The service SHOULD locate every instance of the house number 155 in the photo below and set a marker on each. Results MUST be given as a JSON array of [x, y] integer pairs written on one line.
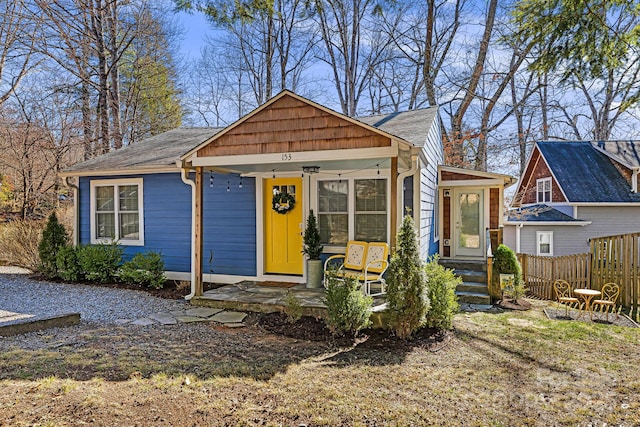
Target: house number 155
[[286, 157]]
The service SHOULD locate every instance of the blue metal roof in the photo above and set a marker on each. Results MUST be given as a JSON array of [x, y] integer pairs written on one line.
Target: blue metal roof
[[539, 213], [586, 174]]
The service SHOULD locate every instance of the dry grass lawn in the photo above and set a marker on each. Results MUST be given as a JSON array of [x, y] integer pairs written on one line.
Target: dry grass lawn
[[510, 369]]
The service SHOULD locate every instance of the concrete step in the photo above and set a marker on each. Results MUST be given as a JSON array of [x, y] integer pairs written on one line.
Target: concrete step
[[473, 287], [457, 264], [473, 298], [472, 276]]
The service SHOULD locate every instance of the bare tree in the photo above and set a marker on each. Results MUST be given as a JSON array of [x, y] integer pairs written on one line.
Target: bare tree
[[38, 137], [348, 30], [17, 46]]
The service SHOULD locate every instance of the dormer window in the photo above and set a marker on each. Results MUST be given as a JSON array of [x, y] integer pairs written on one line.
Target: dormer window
[[544, 190]]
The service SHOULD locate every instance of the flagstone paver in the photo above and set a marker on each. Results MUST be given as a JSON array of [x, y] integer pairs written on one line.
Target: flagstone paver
[[191, 319], [234, 325], [203, 311], [164, 318], [229, 317]]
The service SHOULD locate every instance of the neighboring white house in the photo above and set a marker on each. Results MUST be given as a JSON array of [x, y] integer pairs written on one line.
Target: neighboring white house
[[571, 192]]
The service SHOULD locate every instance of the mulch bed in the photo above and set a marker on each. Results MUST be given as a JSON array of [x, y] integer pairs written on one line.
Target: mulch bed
[[312, 329], [509, 304]]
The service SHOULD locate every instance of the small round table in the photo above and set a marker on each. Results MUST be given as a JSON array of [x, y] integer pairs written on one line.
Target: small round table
[[587, 295]]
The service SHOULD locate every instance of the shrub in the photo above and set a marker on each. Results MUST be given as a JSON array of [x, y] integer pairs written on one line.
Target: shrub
[[293, 308], [348, 308], [100, 262], [19, 242], [442, 294], [506, 262], [54, 237], [144, 269], [67, 264], [407, 298], [312, 247]]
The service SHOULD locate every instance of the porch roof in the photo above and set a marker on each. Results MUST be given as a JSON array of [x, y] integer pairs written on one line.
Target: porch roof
[[163, 153]]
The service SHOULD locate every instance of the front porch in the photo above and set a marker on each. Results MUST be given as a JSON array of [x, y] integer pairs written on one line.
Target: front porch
[[265, 297]]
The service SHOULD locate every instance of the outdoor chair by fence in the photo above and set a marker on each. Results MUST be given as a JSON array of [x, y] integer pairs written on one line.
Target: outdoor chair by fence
[[607, 303], [364, 261], [564, 295]]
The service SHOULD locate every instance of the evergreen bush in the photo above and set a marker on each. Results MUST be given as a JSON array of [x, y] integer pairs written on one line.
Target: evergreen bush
[[54, 237], [67, 264], [442, 284], [407, 296], [347, 307], [506, 262], [144, 269], [312, 247], [100, 262]]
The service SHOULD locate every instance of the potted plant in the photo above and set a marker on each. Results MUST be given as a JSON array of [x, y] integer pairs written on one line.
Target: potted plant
[[313, 249]]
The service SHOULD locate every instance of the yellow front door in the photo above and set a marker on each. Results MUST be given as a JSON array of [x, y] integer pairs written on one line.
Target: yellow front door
[[283, 230]]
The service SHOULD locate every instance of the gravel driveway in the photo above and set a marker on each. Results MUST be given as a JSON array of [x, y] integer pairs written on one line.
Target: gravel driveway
[[19, 294]]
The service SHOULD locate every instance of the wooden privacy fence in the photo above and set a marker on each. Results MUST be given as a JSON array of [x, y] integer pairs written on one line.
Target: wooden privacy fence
[[617, 259], [539, 272], [611, 259]]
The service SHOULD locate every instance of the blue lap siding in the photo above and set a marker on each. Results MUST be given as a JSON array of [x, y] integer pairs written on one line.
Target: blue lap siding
[[229, 222]]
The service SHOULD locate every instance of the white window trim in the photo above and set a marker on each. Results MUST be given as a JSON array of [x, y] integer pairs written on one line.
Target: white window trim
[[116, 183], [351, 202], [543, 181], [538, 234]]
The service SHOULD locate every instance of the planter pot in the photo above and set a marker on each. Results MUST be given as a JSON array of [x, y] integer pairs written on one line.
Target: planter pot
[[314, 273], [506, 282]]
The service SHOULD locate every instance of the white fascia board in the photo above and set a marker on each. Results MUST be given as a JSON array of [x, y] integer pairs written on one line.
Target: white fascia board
[[298, 156], [547, 223], [604, 204]]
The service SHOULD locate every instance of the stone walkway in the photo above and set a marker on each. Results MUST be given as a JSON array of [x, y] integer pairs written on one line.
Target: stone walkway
[[230, 319]]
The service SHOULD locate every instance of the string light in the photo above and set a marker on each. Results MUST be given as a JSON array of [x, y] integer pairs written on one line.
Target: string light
[[211, 180], [228, 186], [378, 166], [340, 178], [274, 173], [240, 185]]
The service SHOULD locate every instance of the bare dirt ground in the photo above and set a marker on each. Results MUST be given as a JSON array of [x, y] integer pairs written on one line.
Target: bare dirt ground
[[514, 368]]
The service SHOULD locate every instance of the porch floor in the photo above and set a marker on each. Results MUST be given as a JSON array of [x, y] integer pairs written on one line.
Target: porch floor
[[251, 296]]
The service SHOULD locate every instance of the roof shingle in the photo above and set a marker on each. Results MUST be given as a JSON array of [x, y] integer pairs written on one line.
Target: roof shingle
[[586, 174]]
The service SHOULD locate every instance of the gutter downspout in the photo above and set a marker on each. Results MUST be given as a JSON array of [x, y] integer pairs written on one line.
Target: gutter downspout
[[185, 178], [400, 184], [518, 227], [76, 210]]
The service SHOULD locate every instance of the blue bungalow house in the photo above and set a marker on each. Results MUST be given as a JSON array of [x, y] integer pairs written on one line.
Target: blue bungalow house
[[207, 198]]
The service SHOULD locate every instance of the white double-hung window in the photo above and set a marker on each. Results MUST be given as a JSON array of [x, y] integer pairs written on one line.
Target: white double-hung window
[[353, 209], [116, 211], [544, 190], [544, 246]]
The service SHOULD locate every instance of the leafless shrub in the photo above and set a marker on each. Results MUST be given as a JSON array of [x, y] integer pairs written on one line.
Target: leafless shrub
[[65, 217], [19, 241]]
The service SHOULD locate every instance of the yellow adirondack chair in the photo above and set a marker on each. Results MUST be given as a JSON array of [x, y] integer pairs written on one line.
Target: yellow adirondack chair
[[364, 261]]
